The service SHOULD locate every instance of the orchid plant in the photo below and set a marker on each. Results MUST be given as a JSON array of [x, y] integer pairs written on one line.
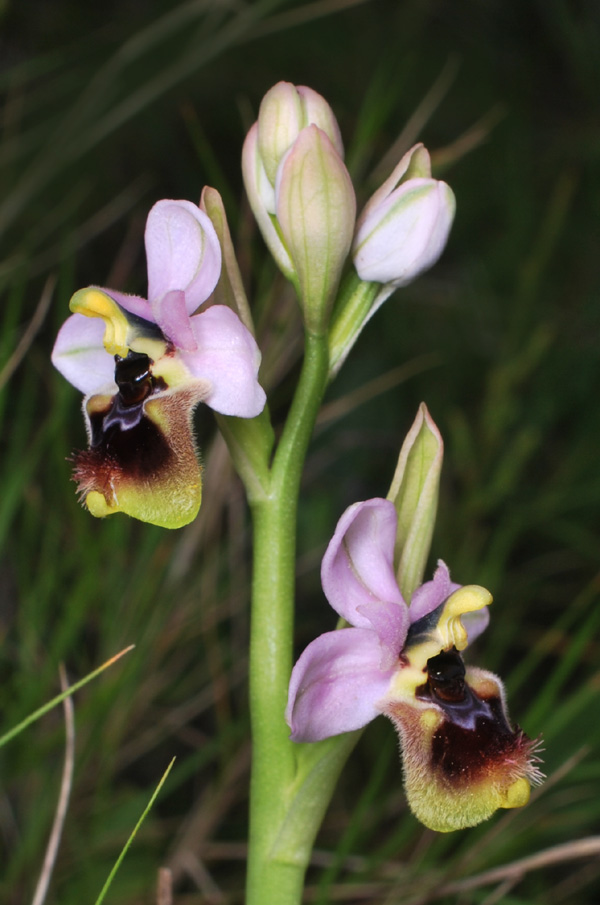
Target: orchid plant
[[144, 365]]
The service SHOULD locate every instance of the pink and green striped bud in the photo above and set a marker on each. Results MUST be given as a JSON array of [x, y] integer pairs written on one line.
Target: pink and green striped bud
[[414, 493], [316, 208], [301, 194], [404, 227]]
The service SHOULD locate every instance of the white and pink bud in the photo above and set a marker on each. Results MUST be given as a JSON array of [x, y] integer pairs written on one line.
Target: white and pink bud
[[284, 111], [404, 227], [301, 193]]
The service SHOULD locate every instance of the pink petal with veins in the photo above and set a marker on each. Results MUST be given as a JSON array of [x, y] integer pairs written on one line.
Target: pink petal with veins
[[336, 685], [80, 356], [431, 594], [170, 313], [182, 251], [228, 356], [358, 566]]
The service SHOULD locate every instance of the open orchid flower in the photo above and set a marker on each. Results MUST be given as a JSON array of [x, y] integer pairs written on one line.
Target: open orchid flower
[[462, 758], [144, 364]]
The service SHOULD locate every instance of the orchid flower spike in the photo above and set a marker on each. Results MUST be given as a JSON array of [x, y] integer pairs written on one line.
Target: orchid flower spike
[[144, 365], [462, 757]]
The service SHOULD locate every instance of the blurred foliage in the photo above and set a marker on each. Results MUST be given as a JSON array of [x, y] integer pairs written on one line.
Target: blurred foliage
[[106, 108]]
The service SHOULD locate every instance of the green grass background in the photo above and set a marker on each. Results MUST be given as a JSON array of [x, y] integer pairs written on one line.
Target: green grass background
[[109, 107]]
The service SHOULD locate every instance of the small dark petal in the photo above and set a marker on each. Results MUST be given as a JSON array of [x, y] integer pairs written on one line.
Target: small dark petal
[[446, 667]]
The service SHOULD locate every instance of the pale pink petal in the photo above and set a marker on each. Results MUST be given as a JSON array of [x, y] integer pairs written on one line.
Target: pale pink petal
[[431, 594], [261, 196], [170, 313], [318, 111], [80, 356], [390, 623], [183, 252], [358, 566], [476, 623], [336, 684], [419, 162], [227, 356]]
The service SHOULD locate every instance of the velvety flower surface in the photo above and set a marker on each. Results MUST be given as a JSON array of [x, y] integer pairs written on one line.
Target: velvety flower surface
[[144, 364], [462, 758]]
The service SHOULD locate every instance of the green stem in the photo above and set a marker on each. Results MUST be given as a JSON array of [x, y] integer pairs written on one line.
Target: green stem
[[273, 878], [355, 301]]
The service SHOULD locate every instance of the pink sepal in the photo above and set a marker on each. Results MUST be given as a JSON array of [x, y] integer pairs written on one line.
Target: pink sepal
[[182, 251], [80, 356], [358, 566]]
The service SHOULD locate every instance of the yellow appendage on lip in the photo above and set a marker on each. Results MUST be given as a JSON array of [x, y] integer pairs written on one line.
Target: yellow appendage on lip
[[97, 505], [517, 795], [93, 303], [122, 331], [466, 600]]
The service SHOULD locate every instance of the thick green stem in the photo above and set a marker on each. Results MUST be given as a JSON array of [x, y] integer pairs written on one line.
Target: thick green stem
[[276, 878]]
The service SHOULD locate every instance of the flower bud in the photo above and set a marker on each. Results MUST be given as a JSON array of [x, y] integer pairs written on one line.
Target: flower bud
[[261, 195], [316, 207], [404, 226], [284, 111], [300, 193], [414, 492]]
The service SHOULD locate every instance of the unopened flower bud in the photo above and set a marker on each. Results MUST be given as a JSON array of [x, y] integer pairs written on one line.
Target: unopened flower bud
[[404, 226], [301, 194], [284, 111], [414, 492], [316, 208], [400, 233]]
